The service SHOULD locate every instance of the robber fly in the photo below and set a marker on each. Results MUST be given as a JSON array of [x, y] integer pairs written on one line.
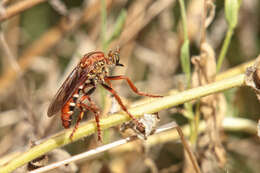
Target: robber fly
[[82, 82]]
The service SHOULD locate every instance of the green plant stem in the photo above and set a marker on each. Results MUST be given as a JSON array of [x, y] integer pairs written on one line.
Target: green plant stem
[[185, 64], [103, 24], [229, 124], [104, 46], [224, 48], [101, 90], [235, 70], [155, 105], [195, 124], [118, 27], [185, 50], [184, 21]]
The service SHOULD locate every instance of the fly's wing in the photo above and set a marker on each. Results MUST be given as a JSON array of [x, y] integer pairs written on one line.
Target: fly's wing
[[73, 81], [76, 77]]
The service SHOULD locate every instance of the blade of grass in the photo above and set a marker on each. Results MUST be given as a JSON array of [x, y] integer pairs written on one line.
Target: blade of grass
[[96, 151], [105, 43], [224, 48], [185, 51], [231, 14], [118, 27], [103, 24], [185, 64]]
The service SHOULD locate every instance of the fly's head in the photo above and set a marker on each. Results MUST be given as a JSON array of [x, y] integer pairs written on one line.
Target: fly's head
[[114, 57]]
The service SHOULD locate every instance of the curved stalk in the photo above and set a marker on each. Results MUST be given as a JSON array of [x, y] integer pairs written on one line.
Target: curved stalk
[[89, 128]]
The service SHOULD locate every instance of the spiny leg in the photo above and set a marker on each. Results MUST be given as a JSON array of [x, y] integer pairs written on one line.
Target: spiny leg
[[139, 125], [68, 108], [81, 114], [130, 83], [96, 112], [93, 108]]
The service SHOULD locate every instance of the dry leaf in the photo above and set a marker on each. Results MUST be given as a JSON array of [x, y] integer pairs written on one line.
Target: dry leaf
[[252, 78]]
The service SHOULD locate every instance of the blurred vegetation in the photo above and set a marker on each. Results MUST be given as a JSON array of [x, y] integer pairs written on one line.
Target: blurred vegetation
[[161, 52]]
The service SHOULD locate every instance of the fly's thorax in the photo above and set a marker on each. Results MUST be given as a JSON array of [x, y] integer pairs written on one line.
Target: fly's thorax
[[99, 71], [99, 67]]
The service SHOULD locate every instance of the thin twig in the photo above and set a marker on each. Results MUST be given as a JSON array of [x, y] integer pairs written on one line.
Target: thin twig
[[229, 124], [135, 26], [203, 24], [224, 48], [187, 147], [235, 70], [163, 134], [59, 6], [8, 52], [99, 150], [82, 155], [8, 118], [6, 1], [18, 8]]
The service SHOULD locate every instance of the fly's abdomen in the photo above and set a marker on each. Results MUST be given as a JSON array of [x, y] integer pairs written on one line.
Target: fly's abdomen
[[68, 109]]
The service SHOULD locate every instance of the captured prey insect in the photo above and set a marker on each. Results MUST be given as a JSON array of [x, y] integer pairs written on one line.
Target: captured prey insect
[[82, 82]]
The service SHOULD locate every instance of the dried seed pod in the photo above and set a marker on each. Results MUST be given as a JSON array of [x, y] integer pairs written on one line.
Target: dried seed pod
[[252, 78], [37, 163], [256, 77]]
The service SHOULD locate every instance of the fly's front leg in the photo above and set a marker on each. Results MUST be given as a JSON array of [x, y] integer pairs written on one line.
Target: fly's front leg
[[139, 125], [130, 83]]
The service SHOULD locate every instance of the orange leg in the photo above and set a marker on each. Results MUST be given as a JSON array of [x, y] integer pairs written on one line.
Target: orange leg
[[130, 83], [139, 125], [96, 112], [81, 114], [83, 107]]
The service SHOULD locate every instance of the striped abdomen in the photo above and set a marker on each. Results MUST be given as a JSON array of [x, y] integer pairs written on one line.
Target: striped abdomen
[[68, 109]]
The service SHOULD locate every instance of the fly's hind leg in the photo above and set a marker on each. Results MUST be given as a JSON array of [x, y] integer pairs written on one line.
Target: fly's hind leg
[[81, 114], [107, 79], [139, 125], [93, 108], [96, 112], [130, 83]]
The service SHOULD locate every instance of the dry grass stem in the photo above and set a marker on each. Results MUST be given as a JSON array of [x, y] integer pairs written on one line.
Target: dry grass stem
[[166, 133], [18, 8], [94, 152]]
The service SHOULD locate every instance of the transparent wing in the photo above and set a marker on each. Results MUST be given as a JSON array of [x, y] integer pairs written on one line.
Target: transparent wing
[[70, 85], [64, 93]]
